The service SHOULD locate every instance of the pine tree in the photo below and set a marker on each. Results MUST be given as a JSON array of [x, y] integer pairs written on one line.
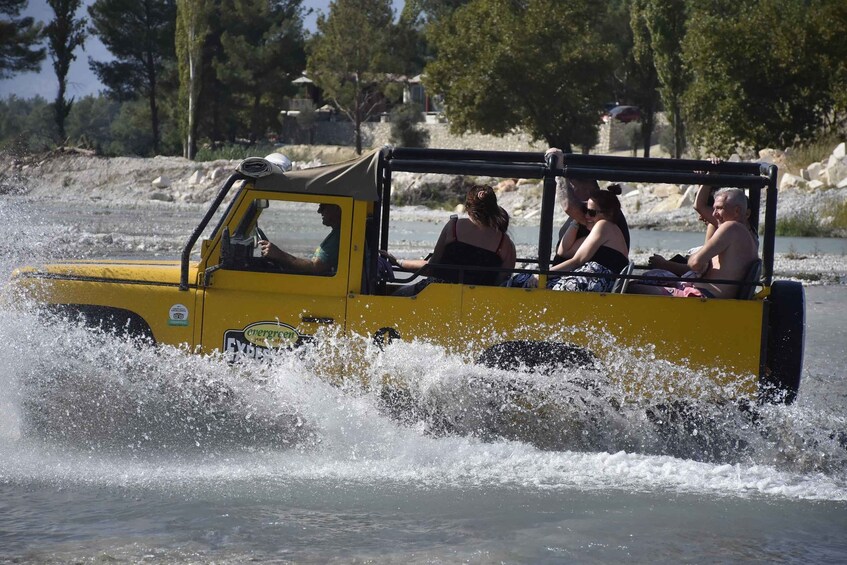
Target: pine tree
[[140, 35], [19, 40], [64, 35], [191, 29], [351, 57]]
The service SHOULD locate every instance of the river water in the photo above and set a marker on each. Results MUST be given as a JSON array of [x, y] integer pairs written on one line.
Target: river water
[[135, 458]]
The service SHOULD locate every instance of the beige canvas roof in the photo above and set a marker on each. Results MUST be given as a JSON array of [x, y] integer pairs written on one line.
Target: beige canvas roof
[[356, 178]]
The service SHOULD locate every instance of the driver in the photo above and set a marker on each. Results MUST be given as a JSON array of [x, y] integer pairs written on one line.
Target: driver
[[324, 260]]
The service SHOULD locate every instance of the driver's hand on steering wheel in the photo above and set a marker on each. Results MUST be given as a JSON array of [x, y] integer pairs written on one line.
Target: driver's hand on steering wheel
[[269, 250]]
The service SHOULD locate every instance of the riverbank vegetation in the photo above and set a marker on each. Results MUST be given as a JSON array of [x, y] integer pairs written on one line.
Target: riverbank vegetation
[[730, 76]]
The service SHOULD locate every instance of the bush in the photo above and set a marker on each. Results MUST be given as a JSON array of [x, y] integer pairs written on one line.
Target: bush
[[235, 151], [802, 224], [404, 131], [801, 156]]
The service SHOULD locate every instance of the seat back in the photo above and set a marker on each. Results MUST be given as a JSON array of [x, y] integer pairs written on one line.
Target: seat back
[[622, 284], [754, 273]]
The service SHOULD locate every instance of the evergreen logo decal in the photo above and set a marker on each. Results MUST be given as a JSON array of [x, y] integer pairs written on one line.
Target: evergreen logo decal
[[256, 339]]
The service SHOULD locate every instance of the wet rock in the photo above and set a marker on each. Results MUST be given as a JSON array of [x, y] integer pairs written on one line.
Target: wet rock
[[196, 178], [162, 196]]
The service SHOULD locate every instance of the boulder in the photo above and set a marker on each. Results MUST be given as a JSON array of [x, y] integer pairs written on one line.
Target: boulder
[[689, 197], [665, 190], [813, 171], [506, 185], [835, 172], [815, 184], [771, 156], [196, 178], [840, 151], [790, 181], [162, 196], [672, 202], [162, 182]]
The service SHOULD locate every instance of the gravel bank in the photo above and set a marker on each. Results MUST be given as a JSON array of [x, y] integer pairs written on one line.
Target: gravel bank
[[126, 183]]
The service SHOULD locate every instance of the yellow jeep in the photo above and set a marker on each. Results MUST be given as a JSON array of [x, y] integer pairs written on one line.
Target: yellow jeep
[[234, 301]]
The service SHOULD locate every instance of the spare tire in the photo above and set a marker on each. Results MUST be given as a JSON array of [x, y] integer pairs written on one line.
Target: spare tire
[[786, 320]]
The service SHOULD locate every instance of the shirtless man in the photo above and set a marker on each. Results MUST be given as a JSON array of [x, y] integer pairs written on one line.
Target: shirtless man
[[726, 255]]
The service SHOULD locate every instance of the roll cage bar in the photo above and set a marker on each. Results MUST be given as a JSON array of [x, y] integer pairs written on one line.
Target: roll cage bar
[[532, 165], [753, 177]]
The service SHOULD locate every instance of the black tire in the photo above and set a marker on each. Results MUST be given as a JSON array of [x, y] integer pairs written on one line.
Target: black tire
[[512, 355], [786, 319]]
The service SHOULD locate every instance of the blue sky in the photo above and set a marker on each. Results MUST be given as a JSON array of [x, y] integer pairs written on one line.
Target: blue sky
[[81, 81]]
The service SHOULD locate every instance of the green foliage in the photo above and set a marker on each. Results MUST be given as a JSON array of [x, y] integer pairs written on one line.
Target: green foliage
[[19, 40], [839, 218], [802, 224], [351, 57], [129, 132], [236, 151], [262, 52], [759, 76], [404, 131], [64, 34], [813, 151], [90, 120], [140, 35], [192, 27], [538, 65], [26, 126], [665, 24]]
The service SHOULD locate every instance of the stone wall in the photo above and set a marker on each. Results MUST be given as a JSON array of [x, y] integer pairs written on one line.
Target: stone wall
[[612, 137]]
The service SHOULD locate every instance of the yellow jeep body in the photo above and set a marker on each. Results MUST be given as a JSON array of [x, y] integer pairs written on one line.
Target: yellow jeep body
[[210, 305]]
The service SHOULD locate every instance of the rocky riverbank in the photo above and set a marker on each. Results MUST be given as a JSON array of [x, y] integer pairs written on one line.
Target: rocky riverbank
[[173, 181]]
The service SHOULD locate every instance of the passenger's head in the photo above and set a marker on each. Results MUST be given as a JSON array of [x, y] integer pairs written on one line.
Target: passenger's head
[[482, 208], [603, 204], [730, 205]]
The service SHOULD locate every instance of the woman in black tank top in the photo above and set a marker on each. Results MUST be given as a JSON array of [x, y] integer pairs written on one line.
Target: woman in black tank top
[[480, 240]]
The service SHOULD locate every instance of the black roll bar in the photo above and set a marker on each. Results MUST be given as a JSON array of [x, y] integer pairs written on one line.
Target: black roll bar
[[505, 164], [198, 231]]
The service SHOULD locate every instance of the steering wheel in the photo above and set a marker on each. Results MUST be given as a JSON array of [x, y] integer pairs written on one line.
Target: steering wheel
[[260, 233]]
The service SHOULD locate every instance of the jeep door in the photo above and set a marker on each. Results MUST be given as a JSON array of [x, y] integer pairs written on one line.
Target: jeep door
[[255, 304]]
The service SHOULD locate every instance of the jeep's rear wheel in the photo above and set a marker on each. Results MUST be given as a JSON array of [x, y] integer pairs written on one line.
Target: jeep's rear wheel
[[786, 336]]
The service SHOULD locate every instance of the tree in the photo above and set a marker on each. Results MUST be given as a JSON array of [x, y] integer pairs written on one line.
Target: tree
[[64, 35], [19, 40], [351, 57], [538, 65], [644, 80], [263, 51], [755, 89], [191, 29], [665, 21], [404, 129], [140, 35]]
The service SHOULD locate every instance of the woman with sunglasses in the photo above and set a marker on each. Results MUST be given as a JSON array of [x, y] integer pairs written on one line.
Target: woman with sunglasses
[[604, 250]]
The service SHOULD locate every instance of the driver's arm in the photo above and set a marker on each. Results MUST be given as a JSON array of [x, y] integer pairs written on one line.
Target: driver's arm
[[292, 263]]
